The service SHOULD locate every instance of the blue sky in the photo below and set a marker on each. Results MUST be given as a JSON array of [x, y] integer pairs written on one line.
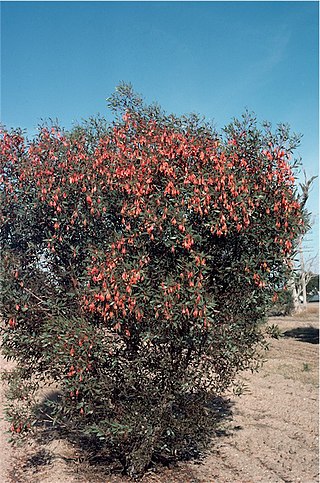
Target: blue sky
[[62, 59]]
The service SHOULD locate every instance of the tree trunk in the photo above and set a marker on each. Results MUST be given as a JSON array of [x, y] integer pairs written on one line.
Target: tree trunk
[[295, 296]]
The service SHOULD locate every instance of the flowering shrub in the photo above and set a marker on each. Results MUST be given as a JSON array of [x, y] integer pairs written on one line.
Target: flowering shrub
[[138, 261]]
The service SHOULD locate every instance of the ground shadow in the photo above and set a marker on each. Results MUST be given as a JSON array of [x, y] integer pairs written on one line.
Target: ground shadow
[[45, 423], [304, 334], [95, 457], [40, 458]]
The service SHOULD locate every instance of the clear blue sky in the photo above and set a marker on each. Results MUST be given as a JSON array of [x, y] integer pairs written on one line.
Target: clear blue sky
[[62, 59]]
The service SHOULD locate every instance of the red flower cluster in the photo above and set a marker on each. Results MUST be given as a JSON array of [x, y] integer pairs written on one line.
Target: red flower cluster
[[159, 181]]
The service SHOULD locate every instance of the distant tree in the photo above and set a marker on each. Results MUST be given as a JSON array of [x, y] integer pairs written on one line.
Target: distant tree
[[138, 261], [302, 272], [313, 284]]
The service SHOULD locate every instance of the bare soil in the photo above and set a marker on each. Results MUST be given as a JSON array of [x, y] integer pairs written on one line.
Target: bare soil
[[271, 436]]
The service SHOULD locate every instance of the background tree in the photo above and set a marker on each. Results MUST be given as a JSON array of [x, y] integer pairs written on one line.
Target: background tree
[[302, 273], [313, 284]]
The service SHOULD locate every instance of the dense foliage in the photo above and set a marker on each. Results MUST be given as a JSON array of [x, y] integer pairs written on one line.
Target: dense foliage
[[138, 262]]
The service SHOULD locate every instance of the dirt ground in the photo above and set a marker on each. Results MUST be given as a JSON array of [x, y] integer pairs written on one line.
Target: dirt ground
[[271, 435]]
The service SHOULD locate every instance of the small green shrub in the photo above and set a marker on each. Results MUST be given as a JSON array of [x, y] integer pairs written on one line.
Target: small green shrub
[[306, 367], [274, 331]]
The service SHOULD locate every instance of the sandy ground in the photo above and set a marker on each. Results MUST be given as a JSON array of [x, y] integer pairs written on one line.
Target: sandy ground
[[272, 435], [7, 454]]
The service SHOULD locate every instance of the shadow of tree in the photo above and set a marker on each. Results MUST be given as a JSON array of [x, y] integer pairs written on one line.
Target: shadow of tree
[[304, 334], [45, 423], [40, 458], [214, 413]]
